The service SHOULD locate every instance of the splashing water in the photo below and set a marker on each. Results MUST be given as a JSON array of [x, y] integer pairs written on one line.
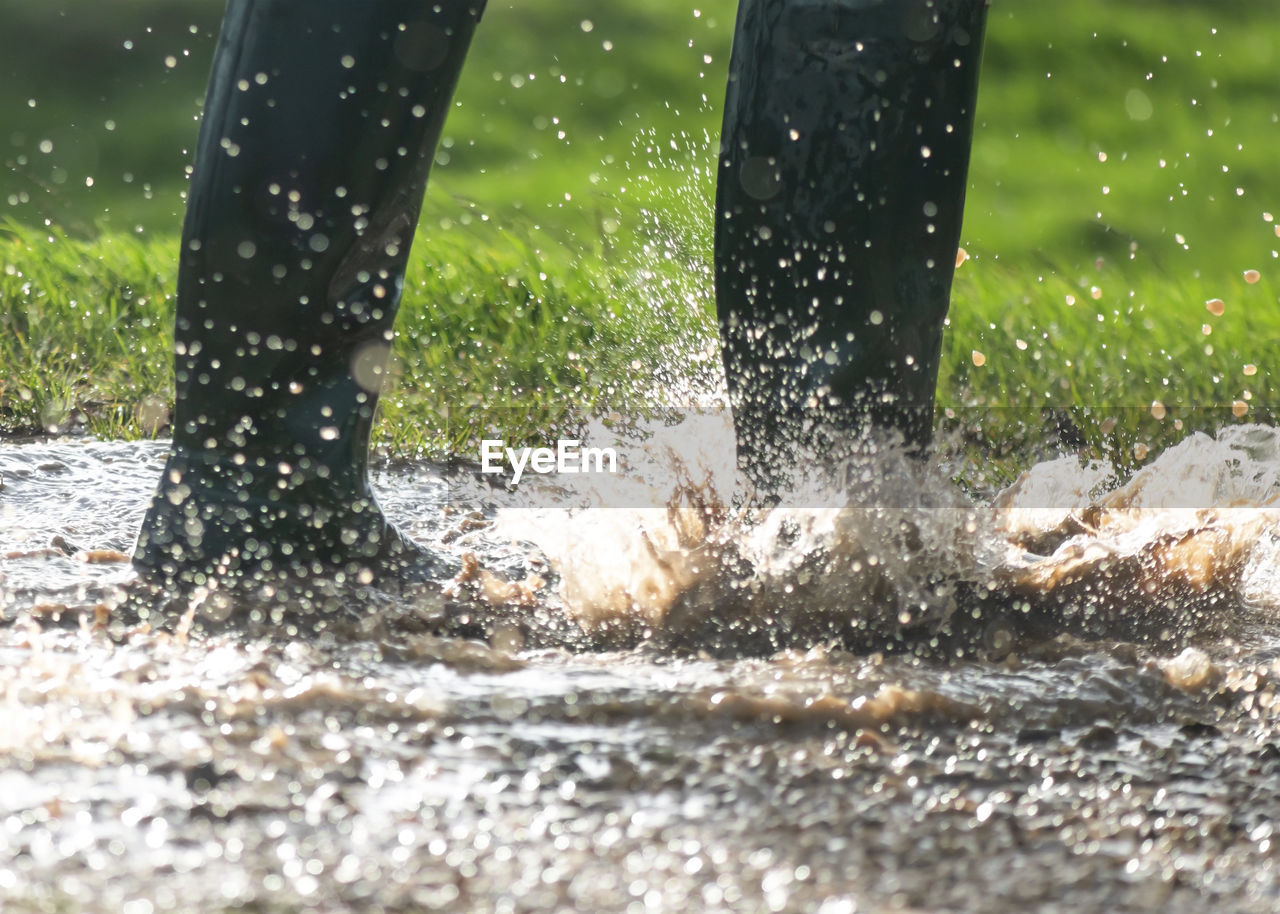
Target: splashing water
[[1184, 548], [885, 548], [391, 767], [878, 546]]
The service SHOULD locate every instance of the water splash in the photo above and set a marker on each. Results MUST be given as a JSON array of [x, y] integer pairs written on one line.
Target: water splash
[[1185, 548], [869, 550]]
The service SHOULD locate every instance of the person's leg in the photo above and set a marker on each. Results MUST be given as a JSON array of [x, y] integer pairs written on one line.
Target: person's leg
[[319, 129], [843, 165]]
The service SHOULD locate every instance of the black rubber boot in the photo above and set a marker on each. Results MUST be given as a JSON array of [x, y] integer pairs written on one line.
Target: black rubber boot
[[319, 129], [843, 165]]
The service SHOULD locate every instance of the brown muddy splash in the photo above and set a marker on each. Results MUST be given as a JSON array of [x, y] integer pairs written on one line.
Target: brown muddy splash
[[1182, 550]]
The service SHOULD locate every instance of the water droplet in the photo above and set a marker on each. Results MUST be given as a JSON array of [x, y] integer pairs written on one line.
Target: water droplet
[[1138, 106], [368, 366], [1215, 306]]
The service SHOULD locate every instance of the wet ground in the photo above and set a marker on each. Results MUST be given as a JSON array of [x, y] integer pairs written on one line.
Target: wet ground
[[1127, 761]]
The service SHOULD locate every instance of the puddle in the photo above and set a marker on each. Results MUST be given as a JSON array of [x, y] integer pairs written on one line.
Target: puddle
[[1060, 700]]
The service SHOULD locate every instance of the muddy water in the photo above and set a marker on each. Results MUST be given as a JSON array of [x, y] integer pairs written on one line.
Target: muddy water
[[1064, 699]]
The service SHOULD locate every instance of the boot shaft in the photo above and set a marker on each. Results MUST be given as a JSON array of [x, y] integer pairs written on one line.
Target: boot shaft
[[319, 131], [844, 162]]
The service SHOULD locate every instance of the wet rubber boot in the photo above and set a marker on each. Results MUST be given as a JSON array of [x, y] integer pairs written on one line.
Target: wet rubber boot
[[319, 130], [843, 165]]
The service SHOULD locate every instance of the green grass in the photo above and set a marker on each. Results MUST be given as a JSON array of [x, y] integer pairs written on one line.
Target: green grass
[[84, 332], [1125, 145], [499, 326], [1114, 361], [505, 326]]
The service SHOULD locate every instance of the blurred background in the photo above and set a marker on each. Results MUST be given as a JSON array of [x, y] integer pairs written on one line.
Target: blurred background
[[1118, 129]]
